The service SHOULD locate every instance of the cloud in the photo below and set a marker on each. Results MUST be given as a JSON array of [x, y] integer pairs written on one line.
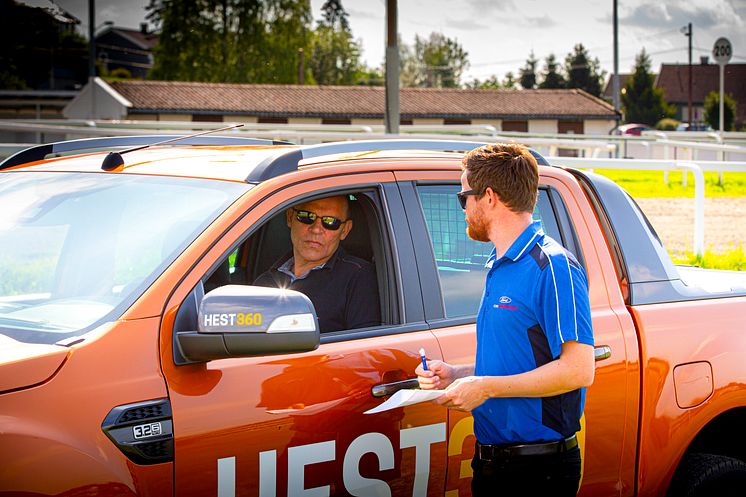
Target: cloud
[[542, 22], [486, 7], [467, 24], [354, 12], [702, 15]]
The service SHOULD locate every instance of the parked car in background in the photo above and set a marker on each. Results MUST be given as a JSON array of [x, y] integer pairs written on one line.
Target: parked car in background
[[634, 129]]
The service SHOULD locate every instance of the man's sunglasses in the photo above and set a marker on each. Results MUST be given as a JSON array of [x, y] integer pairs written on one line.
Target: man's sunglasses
[[330, 223], [462, 197]]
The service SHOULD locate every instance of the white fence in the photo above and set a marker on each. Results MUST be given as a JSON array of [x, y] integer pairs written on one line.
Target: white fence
[[693, 152]]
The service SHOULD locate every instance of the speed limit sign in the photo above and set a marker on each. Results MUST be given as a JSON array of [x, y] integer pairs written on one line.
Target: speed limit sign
[[722, 51]]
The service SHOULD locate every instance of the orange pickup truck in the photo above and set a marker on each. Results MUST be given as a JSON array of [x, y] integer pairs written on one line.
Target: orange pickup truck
[[136, 357]]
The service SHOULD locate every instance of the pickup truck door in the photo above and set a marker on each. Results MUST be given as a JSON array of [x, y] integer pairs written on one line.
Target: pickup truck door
[[451, 266], [293, 424]]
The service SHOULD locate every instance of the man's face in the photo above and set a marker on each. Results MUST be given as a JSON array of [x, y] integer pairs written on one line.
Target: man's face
[[312, 243], [476, 221]]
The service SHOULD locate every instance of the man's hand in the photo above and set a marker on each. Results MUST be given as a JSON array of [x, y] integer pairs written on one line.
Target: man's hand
[[464, 394], [439, 374]]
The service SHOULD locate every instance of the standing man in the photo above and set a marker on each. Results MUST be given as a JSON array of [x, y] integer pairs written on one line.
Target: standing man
[[534, 337]]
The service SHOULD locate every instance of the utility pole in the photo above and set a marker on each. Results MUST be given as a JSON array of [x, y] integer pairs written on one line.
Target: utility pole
[[688, 33], [615, 80], [92, 55], [301, 67], [391, 116]]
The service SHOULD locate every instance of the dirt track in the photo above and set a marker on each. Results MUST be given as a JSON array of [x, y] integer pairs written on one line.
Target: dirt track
[[673, 219]]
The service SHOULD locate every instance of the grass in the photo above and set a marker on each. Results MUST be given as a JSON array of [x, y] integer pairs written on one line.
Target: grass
[[733, 259], [649, 184]]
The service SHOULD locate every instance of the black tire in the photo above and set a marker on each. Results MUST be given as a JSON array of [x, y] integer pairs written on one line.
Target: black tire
[[700, 475]]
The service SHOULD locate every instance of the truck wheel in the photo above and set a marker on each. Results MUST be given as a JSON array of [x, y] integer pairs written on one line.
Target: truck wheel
[[701, 475]]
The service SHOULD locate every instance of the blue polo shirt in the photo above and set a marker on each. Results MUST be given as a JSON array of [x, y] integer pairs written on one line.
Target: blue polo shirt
[[535, 299]]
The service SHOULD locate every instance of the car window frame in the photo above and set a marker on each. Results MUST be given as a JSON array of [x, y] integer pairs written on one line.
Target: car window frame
[[396, 244], [435, 315]]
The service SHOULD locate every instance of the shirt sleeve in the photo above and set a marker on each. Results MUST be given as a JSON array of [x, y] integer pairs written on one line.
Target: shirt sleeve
[[363, 307], [563, 303]]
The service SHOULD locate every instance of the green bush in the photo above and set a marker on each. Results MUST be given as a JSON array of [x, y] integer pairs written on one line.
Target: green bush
[[733, 259], [712, 111], [667, 124]]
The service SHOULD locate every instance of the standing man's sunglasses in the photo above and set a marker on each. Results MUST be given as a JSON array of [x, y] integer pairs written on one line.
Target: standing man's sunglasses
[[330, 223], [462, 197]]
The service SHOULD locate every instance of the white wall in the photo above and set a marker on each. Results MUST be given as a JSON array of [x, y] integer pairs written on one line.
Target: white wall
[[542, 126], [97, 101], [598, 127]]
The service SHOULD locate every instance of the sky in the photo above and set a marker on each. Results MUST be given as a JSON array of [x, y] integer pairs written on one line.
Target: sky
[[499, 35]]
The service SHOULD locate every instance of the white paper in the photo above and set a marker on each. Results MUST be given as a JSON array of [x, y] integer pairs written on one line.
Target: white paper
[[405, 398]]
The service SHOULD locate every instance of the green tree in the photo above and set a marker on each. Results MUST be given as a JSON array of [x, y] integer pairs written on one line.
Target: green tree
[[335, 56], [491, 83], [509, 81], [712, 111], [552, 76], [641, 102], [583, 72], [435, 62], [254, 41], [528, 73]]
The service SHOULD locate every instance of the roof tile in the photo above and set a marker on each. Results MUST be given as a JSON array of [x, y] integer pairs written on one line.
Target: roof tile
[[358, 101]]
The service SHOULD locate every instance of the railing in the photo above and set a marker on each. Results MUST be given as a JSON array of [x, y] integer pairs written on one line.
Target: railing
[[696, 169], [591, 146]]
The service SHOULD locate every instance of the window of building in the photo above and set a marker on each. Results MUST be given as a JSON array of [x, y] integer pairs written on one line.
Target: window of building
[[514, 125], [207, 118], [335, 120], [571, 127], [451, 121], [272, 120]]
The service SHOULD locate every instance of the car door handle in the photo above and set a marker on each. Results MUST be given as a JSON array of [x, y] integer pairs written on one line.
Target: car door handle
[[602, 352], [385, 389]]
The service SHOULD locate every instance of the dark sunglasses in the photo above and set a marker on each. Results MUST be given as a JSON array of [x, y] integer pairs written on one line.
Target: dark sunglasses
[[462, 197], [330, 223]]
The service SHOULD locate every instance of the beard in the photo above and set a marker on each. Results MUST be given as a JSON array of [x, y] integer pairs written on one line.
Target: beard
[[476, 227]]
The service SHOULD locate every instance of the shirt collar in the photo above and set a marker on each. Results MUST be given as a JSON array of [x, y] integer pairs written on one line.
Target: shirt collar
[[521, 245], [287, 266]]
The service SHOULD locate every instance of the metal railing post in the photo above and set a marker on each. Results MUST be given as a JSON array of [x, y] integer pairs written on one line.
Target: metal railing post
[[699, 204]]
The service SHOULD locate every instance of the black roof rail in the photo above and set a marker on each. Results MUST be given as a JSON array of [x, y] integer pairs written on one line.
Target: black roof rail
[[39, 152], [288, 161]]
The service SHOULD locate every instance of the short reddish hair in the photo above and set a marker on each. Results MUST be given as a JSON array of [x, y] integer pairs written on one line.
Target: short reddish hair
[[509, 169]]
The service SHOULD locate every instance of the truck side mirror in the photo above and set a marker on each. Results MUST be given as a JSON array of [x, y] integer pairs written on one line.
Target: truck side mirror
[[244, 321]]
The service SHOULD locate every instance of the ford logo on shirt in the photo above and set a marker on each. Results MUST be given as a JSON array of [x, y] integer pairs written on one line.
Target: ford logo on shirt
[[505, 300]]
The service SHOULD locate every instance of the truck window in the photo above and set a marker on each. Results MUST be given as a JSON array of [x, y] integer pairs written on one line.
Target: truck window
[[460, 259], [258, 260]]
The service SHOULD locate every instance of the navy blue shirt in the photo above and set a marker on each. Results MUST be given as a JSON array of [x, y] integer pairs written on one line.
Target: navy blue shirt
[[344, 290], [535, 299]]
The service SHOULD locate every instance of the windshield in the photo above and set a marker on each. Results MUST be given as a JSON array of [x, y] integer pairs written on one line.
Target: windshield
[[78, 248]]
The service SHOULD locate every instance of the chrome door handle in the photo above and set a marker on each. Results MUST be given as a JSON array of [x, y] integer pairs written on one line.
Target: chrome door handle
[[385, 389], [602, 352]]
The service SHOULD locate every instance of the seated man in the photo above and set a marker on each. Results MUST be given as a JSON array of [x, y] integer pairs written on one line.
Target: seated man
[[343, 288]]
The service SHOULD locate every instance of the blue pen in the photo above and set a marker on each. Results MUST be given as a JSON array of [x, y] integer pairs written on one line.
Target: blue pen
[[424, 362]]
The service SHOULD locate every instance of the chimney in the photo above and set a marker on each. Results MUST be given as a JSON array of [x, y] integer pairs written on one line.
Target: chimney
[[704, 60], [144, 28]]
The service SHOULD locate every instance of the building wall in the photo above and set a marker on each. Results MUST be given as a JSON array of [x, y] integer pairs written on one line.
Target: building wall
[[174, 117], [542, 126], [365, 121], [598, 127], [426, 121]]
